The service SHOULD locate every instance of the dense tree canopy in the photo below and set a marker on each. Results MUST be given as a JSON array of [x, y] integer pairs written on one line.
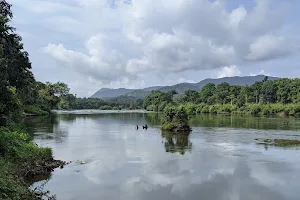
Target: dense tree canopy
[[18, 88], [266, 96]]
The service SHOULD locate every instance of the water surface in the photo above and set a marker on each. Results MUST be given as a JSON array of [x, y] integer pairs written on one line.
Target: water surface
[[218, 161]]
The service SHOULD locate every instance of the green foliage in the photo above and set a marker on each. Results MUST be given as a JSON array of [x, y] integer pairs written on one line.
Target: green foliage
[[18, 88], [254, 109], [205, 109], [19, 148], [175, 119], [106, 107], [17, 155], [10, 186], [266, 97], [35, 109], [158, 100], [69, 102]]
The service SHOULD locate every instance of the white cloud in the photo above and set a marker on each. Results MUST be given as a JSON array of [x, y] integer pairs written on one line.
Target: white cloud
[[124, 41], [267, 47], [228, 72], [42, 7]]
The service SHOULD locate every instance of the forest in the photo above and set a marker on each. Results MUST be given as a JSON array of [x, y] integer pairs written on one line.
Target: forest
[[20, 158], [19, 90], [266, 97]]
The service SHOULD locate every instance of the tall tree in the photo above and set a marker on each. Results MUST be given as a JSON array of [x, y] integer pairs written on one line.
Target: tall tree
[[207, 93], [223, 92]]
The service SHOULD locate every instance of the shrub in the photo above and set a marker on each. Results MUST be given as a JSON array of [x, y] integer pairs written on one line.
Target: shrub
[[200, 107], [175, 119], [35, 109], [255, 109], [151, 108], [226, 108], [105, 107], [214, 108], [205, 109], [18, 155], [190, 108]]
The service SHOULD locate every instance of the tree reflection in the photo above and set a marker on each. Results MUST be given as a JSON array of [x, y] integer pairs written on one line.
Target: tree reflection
[[153, 119], [176, 143], [41, 124]]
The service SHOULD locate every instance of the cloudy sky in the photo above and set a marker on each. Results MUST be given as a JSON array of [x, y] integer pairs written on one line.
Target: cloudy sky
[[91, 44]]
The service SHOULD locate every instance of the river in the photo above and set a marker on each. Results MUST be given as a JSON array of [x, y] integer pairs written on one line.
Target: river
[[219, 160]]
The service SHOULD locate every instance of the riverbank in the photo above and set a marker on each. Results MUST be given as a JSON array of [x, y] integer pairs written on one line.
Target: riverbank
[[21, 161], [248, 109]]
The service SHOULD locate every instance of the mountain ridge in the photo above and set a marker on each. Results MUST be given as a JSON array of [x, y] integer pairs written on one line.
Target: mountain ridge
[[106, 93]]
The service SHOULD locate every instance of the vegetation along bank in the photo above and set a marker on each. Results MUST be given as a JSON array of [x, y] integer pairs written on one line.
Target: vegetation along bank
[[266, 97], [21, 160]]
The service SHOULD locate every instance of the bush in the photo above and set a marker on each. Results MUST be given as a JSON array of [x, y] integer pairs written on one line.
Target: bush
[[199, 108], [162, 106], [205, 109], [35, 109], [175, 119], [190, 108], [151, 108], [18, 155], [226, 108], [105, 107], [293, 109], [214, 108], [266, 110], [10, 186], [254, 109]]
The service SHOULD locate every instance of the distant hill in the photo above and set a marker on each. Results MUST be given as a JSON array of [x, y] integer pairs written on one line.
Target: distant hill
[[235, 80], [180, 88], [110, 93]]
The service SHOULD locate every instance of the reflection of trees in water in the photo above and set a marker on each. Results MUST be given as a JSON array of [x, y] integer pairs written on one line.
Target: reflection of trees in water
[[49, 127], [176, 143], [122, 118], [67, 117], [238, 121], [41, 124], [153, 119]]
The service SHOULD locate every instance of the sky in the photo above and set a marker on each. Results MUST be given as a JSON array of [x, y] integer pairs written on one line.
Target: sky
[[90, 44]]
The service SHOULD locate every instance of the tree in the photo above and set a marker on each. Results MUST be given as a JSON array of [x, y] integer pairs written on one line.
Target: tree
[[59, 89], [157, 100], [234, 91], [223, 92], [268, 92], [191, 96], [207, 91], [14, 63], [243, 96], [175, 119], [255, 91]]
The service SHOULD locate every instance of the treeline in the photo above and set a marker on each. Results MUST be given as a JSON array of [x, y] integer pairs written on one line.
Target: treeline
[[70, 102], [265, 97], [19, 91], [20, 158]]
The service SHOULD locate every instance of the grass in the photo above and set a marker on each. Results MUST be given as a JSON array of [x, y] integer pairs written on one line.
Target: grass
[[20, 160]]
